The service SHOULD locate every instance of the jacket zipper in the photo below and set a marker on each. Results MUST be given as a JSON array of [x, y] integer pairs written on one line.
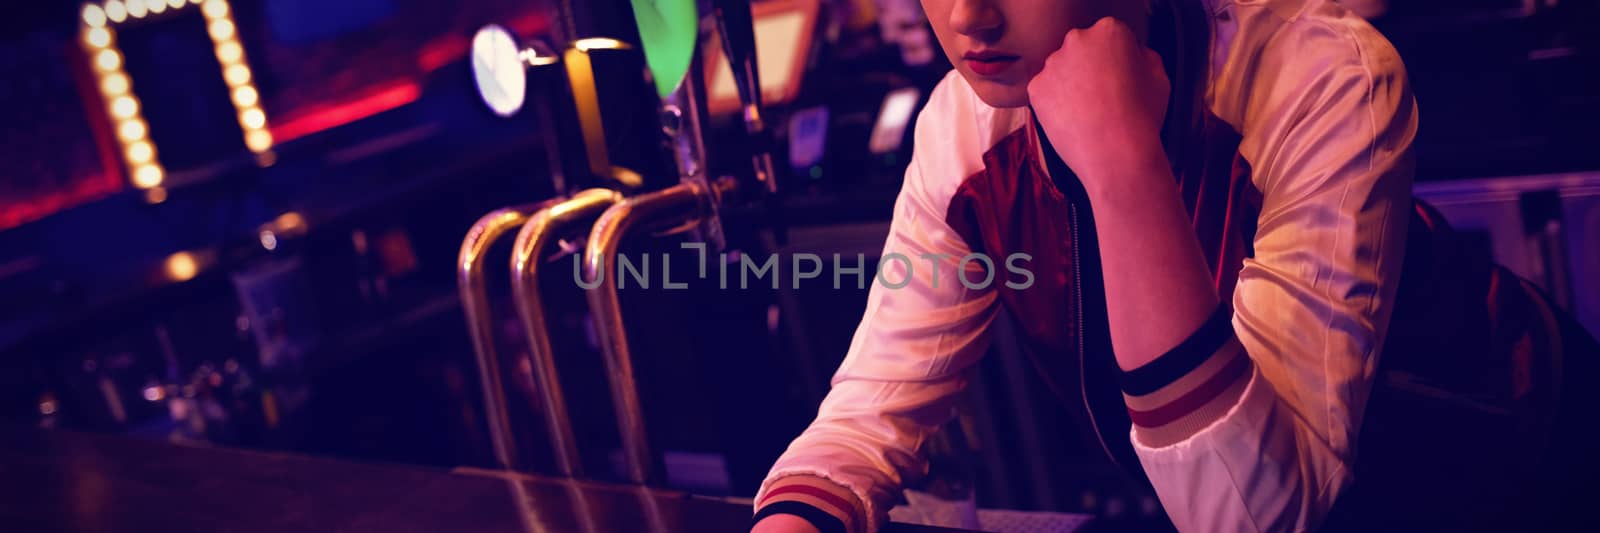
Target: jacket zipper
[[1083, 370], [1077, 278]]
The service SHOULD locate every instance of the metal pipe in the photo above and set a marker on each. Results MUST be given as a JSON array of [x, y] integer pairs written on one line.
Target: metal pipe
[[475, 304], [541, 229], [736, 25], [674, 207]]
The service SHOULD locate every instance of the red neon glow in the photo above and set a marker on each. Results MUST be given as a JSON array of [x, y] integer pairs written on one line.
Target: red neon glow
[[440, 52], [434, 54], [328, 116], [531, 23], [33, 203], [80, 191]]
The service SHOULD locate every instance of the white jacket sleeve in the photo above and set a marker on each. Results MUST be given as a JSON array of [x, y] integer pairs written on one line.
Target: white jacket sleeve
[[1260, 437], [911, 354]]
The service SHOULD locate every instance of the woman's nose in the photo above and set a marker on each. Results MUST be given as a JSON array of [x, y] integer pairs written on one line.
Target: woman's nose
[[978, 19]]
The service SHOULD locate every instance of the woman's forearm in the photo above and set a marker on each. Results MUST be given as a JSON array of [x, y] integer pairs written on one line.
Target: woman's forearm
[[1158, 288], [1101, 99]]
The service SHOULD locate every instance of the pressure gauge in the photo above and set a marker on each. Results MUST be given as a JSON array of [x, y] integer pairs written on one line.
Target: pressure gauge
[[499, 70]]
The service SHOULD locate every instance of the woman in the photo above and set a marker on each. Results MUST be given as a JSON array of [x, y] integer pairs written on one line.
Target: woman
[[1223, 335]]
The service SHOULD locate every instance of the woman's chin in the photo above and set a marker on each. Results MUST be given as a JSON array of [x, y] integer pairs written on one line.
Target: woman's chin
[[998, 94]]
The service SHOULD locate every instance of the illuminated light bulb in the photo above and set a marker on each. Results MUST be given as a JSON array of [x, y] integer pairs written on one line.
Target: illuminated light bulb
[[290, 222], [155, 195], [114, 84], [140, 152], [115, 11], [258, 140], [137, 9], [156, 6], [221, 29], [215, 8], [269, 240], [99, 37], [124, 106], [253, 118], [237, 74], [176, 3], [147, 176], [108, 60], [131, 130], [181, 266], [245, 96], [229, 52], [94, 16]]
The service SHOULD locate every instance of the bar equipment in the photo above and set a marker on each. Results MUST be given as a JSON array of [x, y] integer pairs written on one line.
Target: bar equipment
[[500, 66], [670, 32], [690, 206], [480, 324], [535, 237]]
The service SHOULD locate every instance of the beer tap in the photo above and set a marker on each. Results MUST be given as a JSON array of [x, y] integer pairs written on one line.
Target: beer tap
[[684, 205], [737, 28], [480, 322], [690, 205], [501, 67], [528, 252]]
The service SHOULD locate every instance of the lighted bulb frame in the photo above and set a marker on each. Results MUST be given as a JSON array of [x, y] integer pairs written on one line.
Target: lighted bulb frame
[[99, 38]]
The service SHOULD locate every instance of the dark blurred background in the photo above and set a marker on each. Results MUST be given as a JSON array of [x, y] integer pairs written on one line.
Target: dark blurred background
[[274, 268]]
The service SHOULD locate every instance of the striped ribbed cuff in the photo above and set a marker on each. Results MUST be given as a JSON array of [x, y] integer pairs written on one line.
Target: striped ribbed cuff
[[823, 503], [1188, 388]]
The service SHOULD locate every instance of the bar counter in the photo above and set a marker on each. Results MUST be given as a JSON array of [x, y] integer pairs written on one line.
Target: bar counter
[[53, 480]]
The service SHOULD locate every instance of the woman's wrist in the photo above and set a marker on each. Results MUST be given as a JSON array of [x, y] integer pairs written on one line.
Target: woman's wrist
[[1129, 170], [784, 523], [825, 505]]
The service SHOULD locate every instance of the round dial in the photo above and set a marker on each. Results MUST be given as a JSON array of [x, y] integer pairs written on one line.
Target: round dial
[[501, 76]]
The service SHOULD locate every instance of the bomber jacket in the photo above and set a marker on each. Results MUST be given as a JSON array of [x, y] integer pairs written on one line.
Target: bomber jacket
[[1302, 201]]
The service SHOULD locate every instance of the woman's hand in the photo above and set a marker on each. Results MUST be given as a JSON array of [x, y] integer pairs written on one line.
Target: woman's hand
[[784, 523], [1101, 98]]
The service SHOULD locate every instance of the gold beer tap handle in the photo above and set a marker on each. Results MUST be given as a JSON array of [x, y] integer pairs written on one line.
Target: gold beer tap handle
[[542, 228], [683, 204], [480, 324]]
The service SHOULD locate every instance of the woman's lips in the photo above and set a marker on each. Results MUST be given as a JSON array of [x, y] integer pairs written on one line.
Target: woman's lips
[[989, 63]]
